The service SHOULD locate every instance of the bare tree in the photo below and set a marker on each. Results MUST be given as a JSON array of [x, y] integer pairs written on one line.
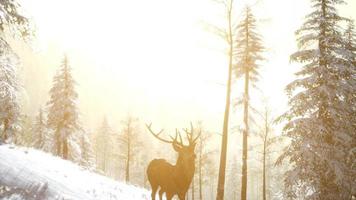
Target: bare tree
[[130, 141], [268, 140], [193, 188], [203, 156], [266, 143], [227, 35]]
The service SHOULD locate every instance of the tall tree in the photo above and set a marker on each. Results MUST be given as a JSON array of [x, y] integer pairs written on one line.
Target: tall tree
[[16, 23], [63, 113], [265, 138], [248, 53], [226, 34], [350, 99], [9, 93], [316, 125]]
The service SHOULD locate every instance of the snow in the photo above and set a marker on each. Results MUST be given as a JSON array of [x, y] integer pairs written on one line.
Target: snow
[[32, 174]]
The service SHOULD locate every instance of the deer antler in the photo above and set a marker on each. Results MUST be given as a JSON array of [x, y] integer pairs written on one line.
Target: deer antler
[[157, 134], [173, 141], [190, 134], [180, 137]]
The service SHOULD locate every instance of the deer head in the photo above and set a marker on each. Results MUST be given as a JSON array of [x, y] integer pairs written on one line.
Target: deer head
[[173, 179]]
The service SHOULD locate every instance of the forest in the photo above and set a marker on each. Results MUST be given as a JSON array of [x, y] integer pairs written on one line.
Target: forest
[[198, 100]]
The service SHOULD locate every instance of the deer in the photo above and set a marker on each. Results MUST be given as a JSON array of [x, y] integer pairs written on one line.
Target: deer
[[173, 179]]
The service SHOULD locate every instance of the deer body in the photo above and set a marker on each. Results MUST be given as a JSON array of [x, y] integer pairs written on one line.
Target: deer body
[[173, 179]]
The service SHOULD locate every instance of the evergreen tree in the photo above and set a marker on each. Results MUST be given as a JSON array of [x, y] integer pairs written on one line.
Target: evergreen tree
[[87, 154], [11, 19], [24, 135], [248, 54], [316, 125], [63, 114], [9, 93], [16, 23], [350, 98], [39, 131], [350, 40], [103, 147], [350, 57]]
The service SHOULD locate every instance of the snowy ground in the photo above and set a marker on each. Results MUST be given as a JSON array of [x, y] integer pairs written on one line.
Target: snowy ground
[[34, 175]]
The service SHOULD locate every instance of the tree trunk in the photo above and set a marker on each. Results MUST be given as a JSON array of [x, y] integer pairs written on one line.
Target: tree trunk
[[4, 132], [244, 142], [58, 144], [127, 178], [193, 188], [65, 149], [264, 155], [246, 116], [264, 172], [200, 178], [222, 167], [105, 156], [144, 177]]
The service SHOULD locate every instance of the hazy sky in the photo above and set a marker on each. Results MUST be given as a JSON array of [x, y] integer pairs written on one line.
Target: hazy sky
[[153, 59]]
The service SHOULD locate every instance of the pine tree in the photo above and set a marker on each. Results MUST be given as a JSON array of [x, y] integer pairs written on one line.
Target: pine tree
[[350, 98], [316, 125], [11, 19], [63, 114], [39, 131], [9, 93], [350, 42], [248, 53], [24, 135], [349, 75]]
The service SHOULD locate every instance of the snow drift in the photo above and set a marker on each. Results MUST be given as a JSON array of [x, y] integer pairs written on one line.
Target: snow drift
[[34, 175]]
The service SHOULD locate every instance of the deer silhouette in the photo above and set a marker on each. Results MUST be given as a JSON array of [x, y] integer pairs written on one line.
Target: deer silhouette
[[173, 179]]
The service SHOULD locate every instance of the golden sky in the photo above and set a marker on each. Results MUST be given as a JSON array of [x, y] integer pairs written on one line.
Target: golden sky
[[154, 59]]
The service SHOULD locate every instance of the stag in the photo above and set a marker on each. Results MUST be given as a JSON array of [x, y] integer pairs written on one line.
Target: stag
[[173, 179]]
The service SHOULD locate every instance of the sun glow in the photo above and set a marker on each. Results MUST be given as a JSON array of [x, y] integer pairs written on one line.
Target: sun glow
[[154, 58]]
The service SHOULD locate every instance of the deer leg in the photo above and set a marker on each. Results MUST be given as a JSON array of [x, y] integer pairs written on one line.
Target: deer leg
[[181, 196], [169, 196], [160, 194], [154, 190]]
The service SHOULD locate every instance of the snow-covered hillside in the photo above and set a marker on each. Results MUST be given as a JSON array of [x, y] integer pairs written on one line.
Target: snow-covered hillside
[[34, 175]]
